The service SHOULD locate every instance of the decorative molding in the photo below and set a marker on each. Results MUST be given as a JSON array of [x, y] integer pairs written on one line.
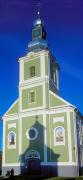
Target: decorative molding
[[58, 119], [35, 55], [33, 82], [39, 110], [12, 125]]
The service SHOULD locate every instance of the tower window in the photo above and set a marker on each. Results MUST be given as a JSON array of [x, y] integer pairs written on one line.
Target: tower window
[[32, 96], [32, 71]]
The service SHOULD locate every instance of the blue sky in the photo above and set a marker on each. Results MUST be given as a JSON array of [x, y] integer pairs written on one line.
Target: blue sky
[[64, 25]]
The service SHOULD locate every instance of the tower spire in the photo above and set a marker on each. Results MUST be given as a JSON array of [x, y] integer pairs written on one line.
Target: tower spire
[[38, 5], [38, 32]]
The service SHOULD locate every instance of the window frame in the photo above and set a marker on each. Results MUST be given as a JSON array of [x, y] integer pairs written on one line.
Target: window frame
[[30, 101], [59, 142], [11, 146], [32, 71], [36, 133]]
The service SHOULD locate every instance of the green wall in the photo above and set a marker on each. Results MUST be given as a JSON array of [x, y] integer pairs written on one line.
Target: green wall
[[72, 136], [57, 153], [37, 144], [14, 109], [38, 97], [12, 155], [54, 101], [28, 64]]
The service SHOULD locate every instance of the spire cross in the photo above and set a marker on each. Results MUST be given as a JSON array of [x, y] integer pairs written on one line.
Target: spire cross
[[38, 5]]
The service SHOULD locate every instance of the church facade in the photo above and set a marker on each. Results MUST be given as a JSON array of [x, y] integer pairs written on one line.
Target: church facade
[[42, 132]]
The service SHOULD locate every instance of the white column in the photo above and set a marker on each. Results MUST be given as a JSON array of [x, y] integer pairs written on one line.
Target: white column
[[45, 138], [21, 71], [69, 136], [3, 154], [42, 60]]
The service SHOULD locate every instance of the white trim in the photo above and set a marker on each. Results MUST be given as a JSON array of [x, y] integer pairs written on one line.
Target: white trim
[[45, 138], [61, 99], [69, 136], [76, 147], [57, 78], [20, 99], [11, 107], [3, 154], [58, 119], [20, 137], [32, 109], [42, 62], [59, 164], [50, 122], [21, 71], [43, 164], [32, 84], [39, 110], [44, 95], [11, 164], [33, 55], [10, 117]]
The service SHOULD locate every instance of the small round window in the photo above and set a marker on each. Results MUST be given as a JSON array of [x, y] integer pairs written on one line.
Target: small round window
[[32, 133]]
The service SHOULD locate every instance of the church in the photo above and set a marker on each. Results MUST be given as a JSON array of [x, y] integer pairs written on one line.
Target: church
[[42, 132]]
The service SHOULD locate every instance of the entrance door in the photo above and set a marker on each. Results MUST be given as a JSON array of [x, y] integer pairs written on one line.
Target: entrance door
[[33, 162], [34, 166]]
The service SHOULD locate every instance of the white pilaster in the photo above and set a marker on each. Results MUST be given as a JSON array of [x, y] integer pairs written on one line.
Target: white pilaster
[[21, 71], [45, 138], [69, 136], [42, 60], [3, 154], [20, 137]]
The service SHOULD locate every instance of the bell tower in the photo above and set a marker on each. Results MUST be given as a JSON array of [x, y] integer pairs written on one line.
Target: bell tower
[[39, 71]]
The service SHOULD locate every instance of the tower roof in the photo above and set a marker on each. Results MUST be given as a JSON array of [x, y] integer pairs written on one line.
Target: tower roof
[[38, 21], [38, 36]]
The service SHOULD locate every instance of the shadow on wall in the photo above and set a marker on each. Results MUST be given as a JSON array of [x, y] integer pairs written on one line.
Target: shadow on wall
[[34, 156]]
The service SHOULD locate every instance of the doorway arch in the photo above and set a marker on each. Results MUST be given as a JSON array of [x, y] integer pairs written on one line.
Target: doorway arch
[[33, 162]]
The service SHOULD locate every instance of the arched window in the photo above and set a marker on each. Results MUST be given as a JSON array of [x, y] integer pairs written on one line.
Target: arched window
[[59, 136], [32, 154], [32, 71], [11, 140]]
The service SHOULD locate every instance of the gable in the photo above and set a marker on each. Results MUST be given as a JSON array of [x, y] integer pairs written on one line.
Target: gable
[[56, 100], [13, 108]]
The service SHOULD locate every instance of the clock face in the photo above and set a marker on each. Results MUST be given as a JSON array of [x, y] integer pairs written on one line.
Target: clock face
[[36, 33]]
